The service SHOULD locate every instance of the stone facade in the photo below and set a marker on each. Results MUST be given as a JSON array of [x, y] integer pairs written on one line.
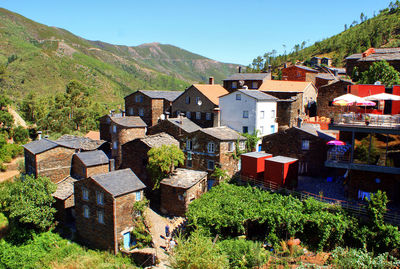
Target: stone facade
[[105, 128], [80, 170], [290, 143], [166, 126], [289, 108], [251, 84], [326, 94], [296, 73]]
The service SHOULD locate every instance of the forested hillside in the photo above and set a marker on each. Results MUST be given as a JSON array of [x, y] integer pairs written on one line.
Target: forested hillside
[[382, 30]]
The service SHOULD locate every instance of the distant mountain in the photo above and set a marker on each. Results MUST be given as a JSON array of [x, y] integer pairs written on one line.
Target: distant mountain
[[43, 59]]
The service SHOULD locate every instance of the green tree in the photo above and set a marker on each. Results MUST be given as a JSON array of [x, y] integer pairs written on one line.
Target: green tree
[[162, 162], [251, 140], [220, 174], [380, 71], [21, 135]]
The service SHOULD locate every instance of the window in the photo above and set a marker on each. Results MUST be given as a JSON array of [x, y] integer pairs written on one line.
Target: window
[[211, 147], [139, 98], [189, 161], [131, 111], [261, 114], [245, 129], [198, 115], [86, 212], [115, 145], [305, 144], [100, 216], [238, 96], [85, 194], [198, 100], [138, 196], [188, 114], [231, 146], [234, 85], [261, 129], [100, 198], [273, 113], [141, 112], [245, 114], [254, 85], [187, 100], [108, 120], [114, 129], [208, 116], [189, 145], [241, 145], [210, 165]]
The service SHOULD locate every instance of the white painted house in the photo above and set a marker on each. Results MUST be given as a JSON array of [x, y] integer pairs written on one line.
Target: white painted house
[[248, 110]]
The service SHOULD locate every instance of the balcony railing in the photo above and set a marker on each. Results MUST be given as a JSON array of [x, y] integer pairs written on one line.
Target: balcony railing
[[367, 120]]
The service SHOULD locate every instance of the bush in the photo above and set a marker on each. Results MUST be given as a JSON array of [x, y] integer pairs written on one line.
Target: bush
[[3, 168], [21, 135]]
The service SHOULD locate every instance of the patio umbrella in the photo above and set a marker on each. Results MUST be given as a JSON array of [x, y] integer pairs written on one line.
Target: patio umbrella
[[349, 98], [342, 103], [365, 103], [383, 96], [336, 143]]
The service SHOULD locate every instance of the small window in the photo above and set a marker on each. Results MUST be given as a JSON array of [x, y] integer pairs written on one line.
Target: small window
[[86, 212], [261, 114], [305, 144], [261, 129], [234, 85], [231, 146], [138, 196], [245, 114], [198, 115], [189, 144], [198, 101], [273, 115], [114, 129], [115, 145], [188, 114], [242, 145], [131, 111], [254, 85], [139, 98], [141, 112], [189, 156], [211, 147], [187, 100], [245, 129], [100, 216], [189, 163], [108, 120], [181, 197], [85, 194], [238, 96], [208, 116], [83, 170], [100, 198], [210, 165]]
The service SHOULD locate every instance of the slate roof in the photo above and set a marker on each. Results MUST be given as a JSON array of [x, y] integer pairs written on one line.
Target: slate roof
[[306, 68], [129, 121], [326, 76], [354, 56], [65, 188], [223, 133], [119, 182], [248, 76], [282, 159], [184, 178], [78, 142], [157, 140], [315, 132], [167, 95], [338, 69], [284, 86], [260, 96], [256, 154], [211, 91], [39, 146], [92, 158], [380, 57], [185, 124]]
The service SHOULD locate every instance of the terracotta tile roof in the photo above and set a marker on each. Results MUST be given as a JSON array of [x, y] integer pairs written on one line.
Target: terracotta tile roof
[[211, 91], [284, 86], [95, 135]]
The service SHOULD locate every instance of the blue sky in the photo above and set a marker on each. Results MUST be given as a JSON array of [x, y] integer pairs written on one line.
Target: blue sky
[[229, 31]]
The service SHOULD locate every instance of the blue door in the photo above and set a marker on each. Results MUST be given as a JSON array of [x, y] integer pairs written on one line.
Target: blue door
[[210, 183], [272, 129], [259, 147], [127, 240]]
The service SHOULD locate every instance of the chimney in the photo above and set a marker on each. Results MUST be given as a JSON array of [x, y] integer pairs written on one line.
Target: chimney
[[112, 112], [217, 117], [211, 81], [240, 69], [111, 165], [181, 115], [39, 133], [122, 112]]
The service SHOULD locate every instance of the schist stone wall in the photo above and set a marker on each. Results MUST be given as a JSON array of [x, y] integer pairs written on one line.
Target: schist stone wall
[[79, 170], [326, 94], [169, 128], [121, 136], [288, 111]]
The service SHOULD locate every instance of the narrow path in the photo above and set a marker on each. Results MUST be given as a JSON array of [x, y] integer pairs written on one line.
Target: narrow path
[[12, 170], [18, 120]]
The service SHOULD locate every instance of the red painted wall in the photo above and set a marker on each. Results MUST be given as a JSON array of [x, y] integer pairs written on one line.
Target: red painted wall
[[366, 90], [251, 166], [396, 104], [284, 174]]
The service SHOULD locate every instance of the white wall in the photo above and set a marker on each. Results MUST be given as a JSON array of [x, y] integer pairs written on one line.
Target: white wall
[[268, 123]]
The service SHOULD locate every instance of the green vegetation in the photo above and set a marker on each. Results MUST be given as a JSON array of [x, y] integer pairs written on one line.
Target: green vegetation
[[8, 151], [251, 140], [380, 71], [140, 232], [162, 162], [367, 152]]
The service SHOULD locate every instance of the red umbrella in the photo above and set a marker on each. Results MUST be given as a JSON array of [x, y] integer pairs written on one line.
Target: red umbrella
[[336, 143]]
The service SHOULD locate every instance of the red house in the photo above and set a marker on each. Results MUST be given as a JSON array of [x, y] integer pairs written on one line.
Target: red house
[[253, 164], [396, 104], [282, 171], [299, 73]]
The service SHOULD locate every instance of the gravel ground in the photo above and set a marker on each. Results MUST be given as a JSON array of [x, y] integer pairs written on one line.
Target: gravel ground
[[334, 189]]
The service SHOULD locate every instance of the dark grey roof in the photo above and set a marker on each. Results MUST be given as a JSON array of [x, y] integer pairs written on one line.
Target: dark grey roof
[[338, 69], [315, 132], [326, 76], [387, 50], [315, 57], [184, 178], [257, 154], [92, 158], [260, 96], [79, 142], [40, 146], [380, 57], [223, 133], [119, 182], [306, 68], [185, 124], [248, 76], [65, 188], [157, 140], [354, 56], [167, 95], [129, 121], [282, 159]]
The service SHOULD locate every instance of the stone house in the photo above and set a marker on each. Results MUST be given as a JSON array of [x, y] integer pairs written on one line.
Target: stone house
[[104, 209], [323, 79], [210, 147], [123, 130], [200, 104], [307, 144], [65, 201], [296, 99], [177, 127], [86, 164], [326, 61], [150, 105], [250, 80], [299, 73], [181, 188], [315, 61], [327, 93], [134, 154]]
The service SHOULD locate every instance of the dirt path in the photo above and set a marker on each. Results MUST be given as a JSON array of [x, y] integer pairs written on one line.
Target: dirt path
[[12, 170], [18, 120]]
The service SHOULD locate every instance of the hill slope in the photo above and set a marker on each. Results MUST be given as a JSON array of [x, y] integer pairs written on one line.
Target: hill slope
[[43, 59]]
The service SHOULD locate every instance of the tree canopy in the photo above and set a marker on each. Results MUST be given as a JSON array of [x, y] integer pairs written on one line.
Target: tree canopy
[[380, 71]]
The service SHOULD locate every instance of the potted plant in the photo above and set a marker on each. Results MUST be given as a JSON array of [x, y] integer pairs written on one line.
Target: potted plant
[[367, 119]]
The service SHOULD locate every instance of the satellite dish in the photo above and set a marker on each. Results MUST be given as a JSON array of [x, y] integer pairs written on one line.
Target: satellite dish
[[162, 117], [199, 103]]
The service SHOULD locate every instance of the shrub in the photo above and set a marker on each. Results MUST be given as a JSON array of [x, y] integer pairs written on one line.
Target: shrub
[[3, 168], [21, 135]]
